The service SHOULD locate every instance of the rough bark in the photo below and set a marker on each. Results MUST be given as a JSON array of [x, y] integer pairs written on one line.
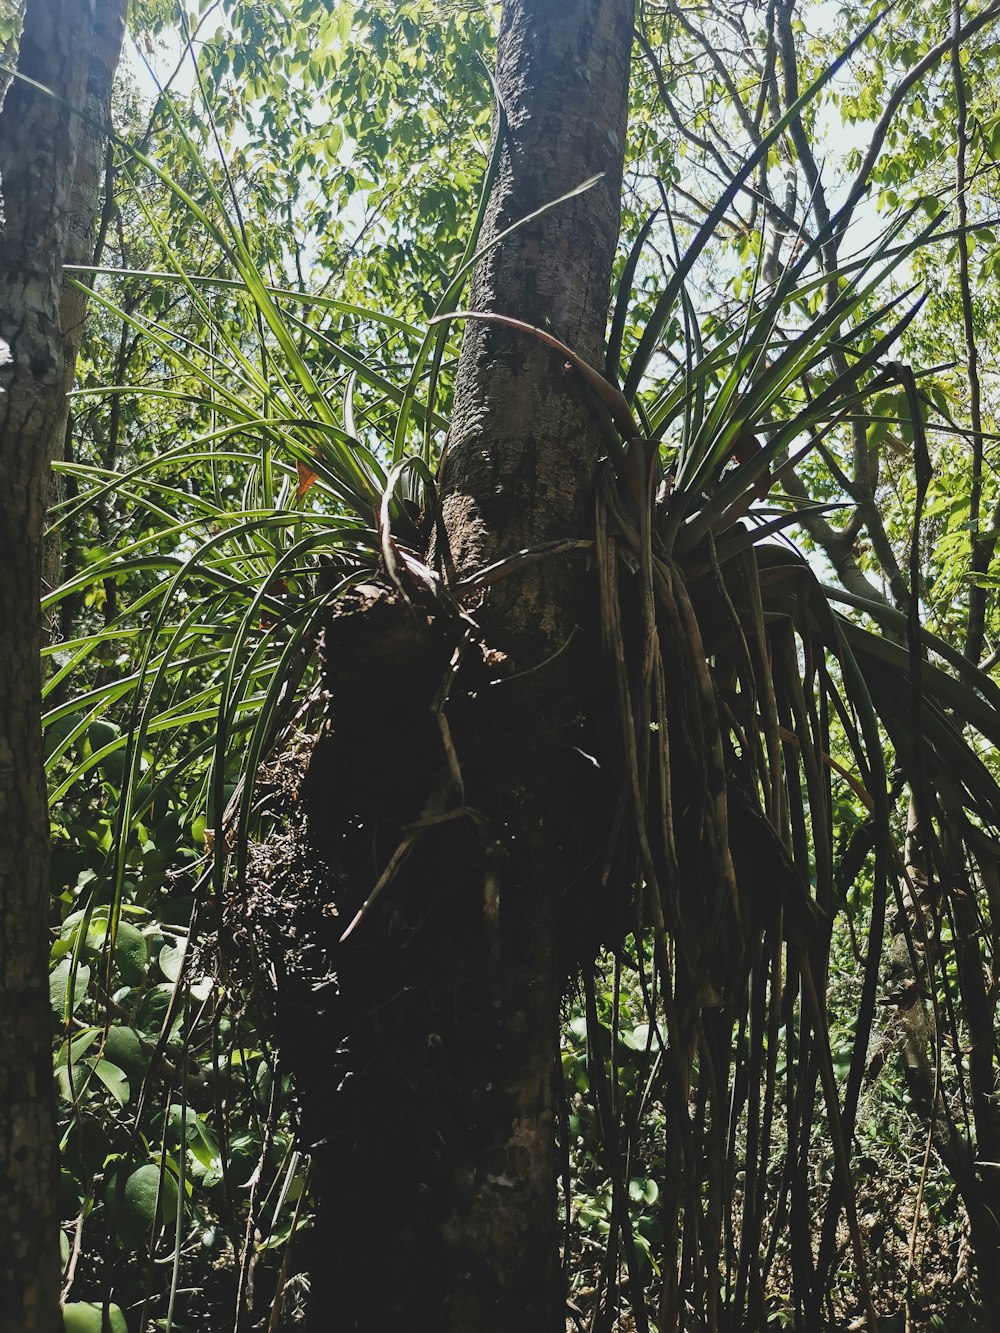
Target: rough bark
[[524, 442], [39, 136], [439, 1014], [91, 188], [523, 439]]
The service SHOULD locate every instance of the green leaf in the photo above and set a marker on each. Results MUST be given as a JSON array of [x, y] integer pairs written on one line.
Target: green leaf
[[124, 1048], [136, 1199], [643, 1190], [112, 1078], [170, 960], [102, 733], [88, 1317], [76, 1046], [131, 954], [66, 994]]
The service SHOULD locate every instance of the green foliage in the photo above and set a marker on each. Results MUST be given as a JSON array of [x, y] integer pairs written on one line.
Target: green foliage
[[89, 1317], [247, 450]]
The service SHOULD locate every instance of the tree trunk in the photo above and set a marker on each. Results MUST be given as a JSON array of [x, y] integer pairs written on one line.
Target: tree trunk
[[449, 772], [91, 187], [518, 473], [524, 440], [39, 136]]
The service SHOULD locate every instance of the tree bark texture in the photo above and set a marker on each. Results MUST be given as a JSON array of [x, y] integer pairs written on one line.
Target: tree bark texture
[[450, 773], [87, 195], [518, 472], [523, 441], [39, 138]]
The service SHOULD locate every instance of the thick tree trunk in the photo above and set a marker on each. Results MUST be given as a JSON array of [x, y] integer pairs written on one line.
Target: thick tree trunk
[[39, 136], [438, 1015], [519, 472]]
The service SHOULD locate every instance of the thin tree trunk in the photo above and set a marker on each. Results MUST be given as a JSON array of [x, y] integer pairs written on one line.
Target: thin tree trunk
[[92, 185], [39, 136], [524, 439]]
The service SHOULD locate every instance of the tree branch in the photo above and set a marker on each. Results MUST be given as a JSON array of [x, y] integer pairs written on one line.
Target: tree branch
[[908, 80]]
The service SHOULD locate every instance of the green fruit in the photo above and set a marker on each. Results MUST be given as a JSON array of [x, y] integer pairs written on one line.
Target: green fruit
[[87, 1317]]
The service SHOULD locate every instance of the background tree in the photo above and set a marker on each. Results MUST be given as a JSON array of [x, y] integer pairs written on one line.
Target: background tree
[[919, 81]]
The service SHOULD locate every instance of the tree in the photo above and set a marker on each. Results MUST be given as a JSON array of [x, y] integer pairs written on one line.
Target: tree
[[40, 133], [928, 74], [450, 1106], [393, 1002]]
